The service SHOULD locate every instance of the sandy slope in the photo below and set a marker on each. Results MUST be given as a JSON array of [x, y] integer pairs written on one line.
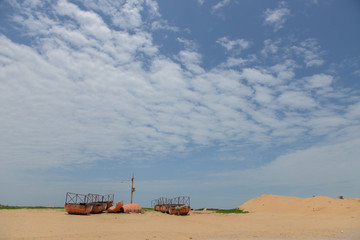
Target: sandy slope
[[57, 224], [269, 203]]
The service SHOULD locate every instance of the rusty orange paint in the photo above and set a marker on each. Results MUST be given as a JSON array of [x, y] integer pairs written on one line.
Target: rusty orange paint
[[131, 208], [179, 210], [117, 208], [109, 204], [164, 209], [81, 209], [98, 207]]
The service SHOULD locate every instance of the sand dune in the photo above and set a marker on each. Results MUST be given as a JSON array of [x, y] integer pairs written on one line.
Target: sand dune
[[269, 203]]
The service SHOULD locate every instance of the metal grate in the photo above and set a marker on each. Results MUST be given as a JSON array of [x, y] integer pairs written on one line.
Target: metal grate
[[91, 198], [76, 198], [176, 201]]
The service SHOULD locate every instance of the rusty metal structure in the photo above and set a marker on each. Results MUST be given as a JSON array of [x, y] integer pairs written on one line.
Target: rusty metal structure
[[94, 199], [117, 208], [83, 204], [76, 198], [77, 203], [131, 208], [175, 206], [105, 201], [125, 208]]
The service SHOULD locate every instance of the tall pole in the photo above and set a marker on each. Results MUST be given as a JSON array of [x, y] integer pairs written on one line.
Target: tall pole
[[132, 188]]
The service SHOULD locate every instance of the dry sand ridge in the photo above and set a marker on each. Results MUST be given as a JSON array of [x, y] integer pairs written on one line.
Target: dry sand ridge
[[269, 203]]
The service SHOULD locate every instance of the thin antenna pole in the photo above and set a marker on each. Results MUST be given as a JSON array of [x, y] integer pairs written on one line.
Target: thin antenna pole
[[132, 188]]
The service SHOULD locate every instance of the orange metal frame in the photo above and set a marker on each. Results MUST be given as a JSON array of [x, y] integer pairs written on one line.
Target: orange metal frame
[[177, 205]]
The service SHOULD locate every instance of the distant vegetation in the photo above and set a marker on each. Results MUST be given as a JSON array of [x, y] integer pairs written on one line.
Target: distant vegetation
[[235, 210], [207, 209], [25, 207], [225, 211], [148, 209]]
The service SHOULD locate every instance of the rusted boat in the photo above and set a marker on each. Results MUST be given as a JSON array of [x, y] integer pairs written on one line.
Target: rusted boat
[[79, 209], [108, 199], [164, 208], [87, 203], [179, 210], [77, 204], [100, 202], [175, 206], [98, 207], [117, 208], [109, 204]]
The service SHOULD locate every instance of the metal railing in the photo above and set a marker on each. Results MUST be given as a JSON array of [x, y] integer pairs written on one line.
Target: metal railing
[[176, 201], [91, 198], [76, 198]]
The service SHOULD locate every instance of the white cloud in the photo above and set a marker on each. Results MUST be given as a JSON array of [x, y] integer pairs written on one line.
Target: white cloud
[[128, 15], [310, 50], [277, 17], [161, 24], [233, 45], [191, 61], [353, 111], [319, 81], [270, 47], [263, 95], [90, 22], [88, 91], [356, 72], [256, 76], [295, 99], [188, 44], [219, 5], [235, 62], [284, 71], [327, 166], [279, 50], [124, 14]]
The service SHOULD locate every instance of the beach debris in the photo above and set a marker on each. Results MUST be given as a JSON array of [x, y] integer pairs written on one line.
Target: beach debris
[[84, 204], [174, 206], [117, 208], [100, 202], [131, 208], [125, 208]]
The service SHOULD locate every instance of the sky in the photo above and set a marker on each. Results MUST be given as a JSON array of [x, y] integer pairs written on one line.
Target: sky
[[219, 100]]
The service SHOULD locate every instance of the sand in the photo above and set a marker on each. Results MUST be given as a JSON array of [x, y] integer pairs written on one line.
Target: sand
[[334, 221], [270, 203]]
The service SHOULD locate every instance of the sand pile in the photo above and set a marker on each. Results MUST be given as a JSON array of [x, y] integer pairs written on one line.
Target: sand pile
[[269, 203]]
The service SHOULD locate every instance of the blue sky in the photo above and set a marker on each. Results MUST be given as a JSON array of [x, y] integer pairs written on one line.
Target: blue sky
[[218, 100]]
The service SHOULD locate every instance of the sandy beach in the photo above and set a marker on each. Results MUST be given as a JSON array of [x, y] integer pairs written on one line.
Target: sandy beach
[[263, 222]]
